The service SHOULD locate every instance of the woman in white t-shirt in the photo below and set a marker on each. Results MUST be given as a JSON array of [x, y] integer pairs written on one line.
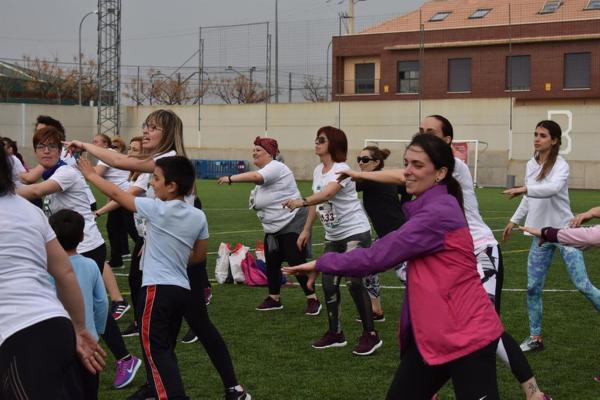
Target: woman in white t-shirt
[[275, 183], [546, 202], [39, 340], [346, 227], [65, 188]]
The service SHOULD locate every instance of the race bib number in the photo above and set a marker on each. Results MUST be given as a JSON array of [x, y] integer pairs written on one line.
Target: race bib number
[[326, 212]]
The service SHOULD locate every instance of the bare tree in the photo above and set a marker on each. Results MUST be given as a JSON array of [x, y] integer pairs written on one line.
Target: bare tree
[[240, 90], [314, 89], [161, 89]]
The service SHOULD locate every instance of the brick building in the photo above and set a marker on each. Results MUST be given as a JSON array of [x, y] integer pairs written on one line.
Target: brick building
[[456, 49]]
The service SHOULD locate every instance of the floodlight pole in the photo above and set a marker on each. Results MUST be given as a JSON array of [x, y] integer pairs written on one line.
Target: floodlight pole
[[79, 53]]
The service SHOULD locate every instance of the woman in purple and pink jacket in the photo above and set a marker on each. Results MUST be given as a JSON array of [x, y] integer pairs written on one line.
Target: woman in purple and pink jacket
[[448, 328]]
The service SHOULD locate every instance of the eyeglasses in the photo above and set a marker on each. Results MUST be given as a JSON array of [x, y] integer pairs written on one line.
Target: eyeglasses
[[150, 127], [364, 159], [321, 140], [49, 147]]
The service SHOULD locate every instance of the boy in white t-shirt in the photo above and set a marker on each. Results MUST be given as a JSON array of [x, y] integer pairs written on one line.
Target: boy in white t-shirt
[[176, 235]]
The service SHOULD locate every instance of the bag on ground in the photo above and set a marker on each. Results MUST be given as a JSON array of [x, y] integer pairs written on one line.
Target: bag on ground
[[237, 255], [253, 275], [222, 266]]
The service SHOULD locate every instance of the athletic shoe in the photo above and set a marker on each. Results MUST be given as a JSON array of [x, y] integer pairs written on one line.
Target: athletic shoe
[[189, 337], [313, 307], [119, 308], [207, 295], [234, 394], [126, 257], [126, 370], [120, 266], [269, 304], [131, 330], [144, 392], [532, 345], [547, 397], [367, 344], [376, 318], [330, 339], [597, 378]]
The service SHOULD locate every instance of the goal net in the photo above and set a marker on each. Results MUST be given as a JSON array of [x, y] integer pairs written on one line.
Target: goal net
[[466, 150]]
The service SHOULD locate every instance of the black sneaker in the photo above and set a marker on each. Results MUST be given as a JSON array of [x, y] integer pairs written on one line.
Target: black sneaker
[[131, 330], [189, 337], [234, 394], [119, 308], [144, 392]]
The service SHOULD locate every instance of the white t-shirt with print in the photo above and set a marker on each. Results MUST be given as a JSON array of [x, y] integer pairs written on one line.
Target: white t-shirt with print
[[279, 185], [481, 233], [343, 215], [26, 294], [73, 197], [172, 228]]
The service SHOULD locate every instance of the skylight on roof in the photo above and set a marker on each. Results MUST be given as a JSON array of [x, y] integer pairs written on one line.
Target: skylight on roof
[[440, 16], [593, 5], [480, 13], [551, 6]]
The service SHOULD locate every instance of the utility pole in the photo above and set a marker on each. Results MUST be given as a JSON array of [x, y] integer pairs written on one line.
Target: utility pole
[[276, 53]]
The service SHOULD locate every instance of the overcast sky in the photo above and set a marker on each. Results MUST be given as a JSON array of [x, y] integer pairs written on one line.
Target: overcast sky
[[161, 32]]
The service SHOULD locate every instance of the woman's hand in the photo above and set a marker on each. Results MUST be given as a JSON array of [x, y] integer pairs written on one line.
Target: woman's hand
[[347, 173], [292, 204], [507, 231], [85, 167], [580, 219], [515, 192], [92, 356], [302, 240], [224, 180], [309, 269], [535, 232], [74, 146]]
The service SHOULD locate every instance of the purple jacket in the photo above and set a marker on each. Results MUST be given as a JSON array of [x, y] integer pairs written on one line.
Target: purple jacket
[[445, 304]]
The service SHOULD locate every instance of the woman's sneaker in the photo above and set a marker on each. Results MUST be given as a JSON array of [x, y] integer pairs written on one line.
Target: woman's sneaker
[[144, 392], [313, 307], [532, 345], [330, 339], [597, 378], [131, 330], [189, 337], [367, 344], [126, 370], [269, 304], [236, 394], [119, 308], [376, 317]]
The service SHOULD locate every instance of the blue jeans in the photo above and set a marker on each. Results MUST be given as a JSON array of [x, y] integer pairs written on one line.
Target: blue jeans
[[538, 264]]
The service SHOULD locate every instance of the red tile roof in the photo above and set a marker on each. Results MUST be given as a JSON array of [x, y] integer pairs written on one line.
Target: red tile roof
[[521, 12]]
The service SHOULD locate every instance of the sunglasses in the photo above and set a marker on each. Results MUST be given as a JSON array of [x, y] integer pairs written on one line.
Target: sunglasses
[[321, 140], [364, 159]]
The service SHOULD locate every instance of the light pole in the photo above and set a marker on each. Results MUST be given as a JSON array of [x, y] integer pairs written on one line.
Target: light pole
[[79, 54]]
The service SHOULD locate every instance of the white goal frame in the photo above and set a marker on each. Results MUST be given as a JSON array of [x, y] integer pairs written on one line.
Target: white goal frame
[[474, 141]]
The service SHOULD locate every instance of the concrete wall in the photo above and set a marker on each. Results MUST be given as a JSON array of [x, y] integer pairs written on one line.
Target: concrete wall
[[227, 131]]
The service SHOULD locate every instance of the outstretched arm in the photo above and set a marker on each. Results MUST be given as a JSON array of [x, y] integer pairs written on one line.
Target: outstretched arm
[[393, 176], [125, 199], [38, 190], [113, 158], [586, 216], [324, 195], [251, 177]]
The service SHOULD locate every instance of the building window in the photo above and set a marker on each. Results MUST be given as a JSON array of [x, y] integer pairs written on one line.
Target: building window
[[480, 13], [459, 75], [518, 72], [551, 6], [577, 70], [440, 16], [408, 77], [593, 5], [364, 75]]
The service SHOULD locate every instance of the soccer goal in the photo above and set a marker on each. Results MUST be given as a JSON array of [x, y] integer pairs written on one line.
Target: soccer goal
[[467, 150]]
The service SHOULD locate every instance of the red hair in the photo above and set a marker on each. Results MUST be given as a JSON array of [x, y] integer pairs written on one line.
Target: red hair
[[338, 144]]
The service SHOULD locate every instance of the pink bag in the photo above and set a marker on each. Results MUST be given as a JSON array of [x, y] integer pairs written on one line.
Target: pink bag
[[252, 275]]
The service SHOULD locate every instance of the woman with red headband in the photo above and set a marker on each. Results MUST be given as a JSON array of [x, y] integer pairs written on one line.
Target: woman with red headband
[[275, 183]]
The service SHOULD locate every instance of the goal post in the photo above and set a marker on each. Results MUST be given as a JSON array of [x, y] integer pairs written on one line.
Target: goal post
[[465, 149]]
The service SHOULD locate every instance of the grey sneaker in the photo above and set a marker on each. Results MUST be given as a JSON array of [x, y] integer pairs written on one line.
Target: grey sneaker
[[330, 339], [532, 345]]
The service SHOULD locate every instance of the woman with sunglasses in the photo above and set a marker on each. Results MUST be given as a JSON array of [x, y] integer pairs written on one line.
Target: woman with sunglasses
[[346, 227], [163, 137], [384, 208]]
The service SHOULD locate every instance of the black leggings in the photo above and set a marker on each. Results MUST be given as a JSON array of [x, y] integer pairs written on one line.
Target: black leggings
[[117, 227], [135, 276], [356, 286], [35, 362], [112, 335], [287, 251], [473, 376]]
